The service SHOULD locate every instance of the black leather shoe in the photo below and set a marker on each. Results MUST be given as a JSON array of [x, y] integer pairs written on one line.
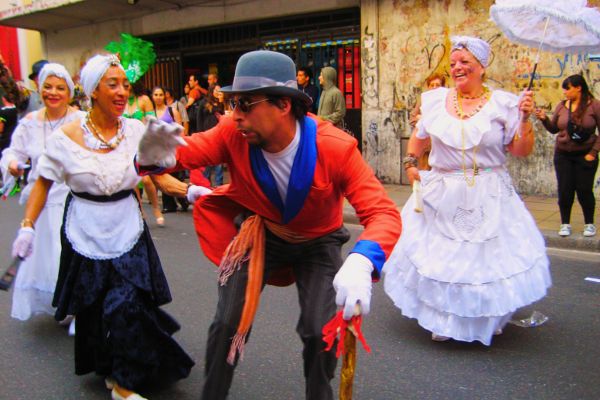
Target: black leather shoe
[[168, 210]]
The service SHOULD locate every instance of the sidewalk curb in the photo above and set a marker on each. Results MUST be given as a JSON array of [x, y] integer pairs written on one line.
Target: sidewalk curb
[[574, 242]]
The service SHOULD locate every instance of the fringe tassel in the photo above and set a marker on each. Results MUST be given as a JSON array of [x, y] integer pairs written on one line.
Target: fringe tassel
[[237, 347]]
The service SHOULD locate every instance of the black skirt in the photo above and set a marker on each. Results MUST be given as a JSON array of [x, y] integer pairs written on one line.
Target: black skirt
[[120, 330]]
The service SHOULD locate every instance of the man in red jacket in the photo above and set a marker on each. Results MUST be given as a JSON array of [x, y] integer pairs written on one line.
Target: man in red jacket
[[280, 219]]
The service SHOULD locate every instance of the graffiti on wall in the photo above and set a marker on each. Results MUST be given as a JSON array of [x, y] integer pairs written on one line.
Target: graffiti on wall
[[400, 54], [369, 64]]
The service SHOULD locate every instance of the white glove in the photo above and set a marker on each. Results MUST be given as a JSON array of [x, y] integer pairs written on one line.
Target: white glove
[[158, 144], [194, 192], [23, 244], [353, 284]]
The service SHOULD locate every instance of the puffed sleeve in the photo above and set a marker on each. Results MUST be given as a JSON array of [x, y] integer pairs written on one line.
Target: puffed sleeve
[[51, 162], [17, 149], [433, 103], [507, 105]]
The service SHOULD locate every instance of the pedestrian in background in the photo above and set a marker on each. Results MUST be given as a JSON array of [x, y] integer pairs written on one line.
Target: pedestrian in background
[[332, 105], [433, 81], [35, 101], [304, 79], [473, 255], [169, 115], [193, 106], [176, 105], [139, 106], [575, 121], [213, 107]]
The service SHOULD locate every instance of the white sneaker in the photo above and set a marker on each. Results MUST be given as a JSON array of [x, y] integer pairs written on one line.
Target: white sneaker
[[565, 230], [589, 230]]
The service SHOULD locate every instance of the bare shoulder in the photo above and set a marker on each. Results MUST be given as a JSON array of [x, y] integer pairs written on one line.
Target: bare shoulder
[[73, 130]]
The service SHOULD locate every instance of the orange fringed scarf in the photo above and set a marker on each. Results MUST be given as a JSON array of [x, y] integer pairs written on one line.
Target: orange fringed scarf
[[249, 245]]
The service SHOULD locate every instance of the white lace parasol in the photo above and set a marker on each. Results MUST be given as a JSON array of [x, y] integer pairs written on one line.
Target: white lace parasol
[[559, 26], [572, 27]]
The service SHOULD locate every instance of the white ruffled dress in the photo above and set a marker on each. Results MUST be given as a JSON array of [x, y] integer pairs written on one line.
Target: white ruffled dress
[[36, 280], [475, 254]]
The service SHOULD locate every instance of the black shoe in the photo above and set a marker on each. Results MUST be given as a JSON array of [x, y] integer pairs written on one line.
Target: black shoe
[[168, 210]]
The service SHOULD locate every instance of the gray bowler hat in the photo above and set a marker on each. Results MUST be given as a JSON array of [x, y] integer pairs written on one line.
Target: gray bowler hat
[[266, 72]]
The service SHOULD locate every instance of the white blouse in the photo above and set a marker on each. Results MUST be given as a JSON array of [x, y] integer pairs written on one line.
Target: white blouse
[[28, 141], [486, 133], [97, 230]]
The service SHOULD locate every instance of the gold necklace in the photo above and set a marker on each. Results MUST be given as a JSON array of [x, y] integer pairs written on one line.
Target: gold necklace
[[469, 180], [484, 97], [105, 144]]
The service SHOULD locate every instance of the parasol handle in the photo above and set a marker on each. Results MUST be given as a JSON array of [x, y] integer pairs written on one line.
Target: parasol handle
[[532, 76], [537, 56]]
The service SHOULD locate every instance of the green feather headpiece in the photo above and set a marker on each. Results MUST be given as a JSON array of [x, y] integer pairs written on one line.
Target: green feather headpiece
[[137, 56]]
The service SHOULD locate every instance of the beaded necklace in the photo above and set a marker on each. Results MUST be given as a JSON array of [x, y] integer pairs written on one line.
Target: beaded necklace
[[462, 116], [484, 97], [105, 144]]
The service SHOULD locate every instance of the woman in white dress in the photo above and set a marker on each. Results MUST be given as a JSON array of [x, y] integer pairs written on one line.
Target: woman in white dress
[[110, 277], [474, 255], [36, 279]]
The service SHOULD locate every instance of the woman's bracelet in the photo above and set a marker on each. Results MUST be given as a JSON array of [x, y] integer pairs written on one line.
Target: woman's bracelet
[[409, 161], [27, 223]]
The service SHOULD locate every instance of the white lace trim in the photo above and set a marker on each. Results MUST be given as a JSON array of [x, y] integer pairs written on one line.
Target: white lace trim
[[436, 120], [102, 231]]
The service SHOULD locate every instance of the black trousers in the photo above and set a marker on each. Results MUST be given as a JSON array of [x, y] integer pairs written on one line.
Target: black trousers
[[315, 264], [575, 175]]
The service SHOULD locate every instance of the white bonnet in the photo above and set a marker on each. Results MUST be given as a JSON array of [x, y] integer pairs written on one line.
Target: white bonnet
[[479, 48], [94, 70], [54, 69]]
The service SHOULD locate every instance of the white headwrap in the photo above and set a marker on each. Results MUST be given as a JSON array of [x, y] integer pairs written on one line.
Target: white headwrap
[[94, 70], [54, 69], [479, 48]]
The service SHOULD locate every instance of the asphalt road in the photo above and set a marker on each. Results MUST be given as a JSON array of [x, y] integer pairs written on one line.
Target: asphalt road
[[558, 360]]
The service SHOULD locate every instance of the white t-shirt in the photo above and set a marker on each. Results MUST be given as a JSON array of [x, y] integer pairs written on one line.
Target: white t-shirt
[[281, 163]]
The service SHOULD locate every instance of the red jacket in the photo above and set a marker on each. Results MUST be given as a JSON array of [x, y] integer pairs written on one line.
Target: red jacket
[[339, 172]]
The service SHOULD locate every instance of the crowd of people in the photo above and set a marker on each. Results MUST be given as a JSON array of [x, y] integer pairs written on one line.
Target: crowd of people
[[461, 265]]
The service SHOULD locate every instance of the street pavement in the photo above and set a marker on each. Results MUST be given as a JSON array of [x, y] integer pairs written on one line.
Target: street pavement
[[555, 361]]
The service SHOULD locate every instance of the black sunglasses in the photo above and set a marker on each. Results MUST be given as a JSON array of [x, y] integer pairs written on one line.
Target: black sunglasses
[[244, 104]]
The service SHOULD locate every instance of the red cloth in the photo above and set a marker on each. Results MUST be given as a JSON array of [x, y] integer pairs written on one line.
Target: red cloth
[[338, 325], [195, 94], [197, 177], [9, 48], [340, 172]]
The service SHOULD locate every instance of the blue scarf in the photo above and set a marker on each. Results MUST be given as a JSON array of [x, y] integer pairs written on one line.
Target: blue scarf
[[301, 176]]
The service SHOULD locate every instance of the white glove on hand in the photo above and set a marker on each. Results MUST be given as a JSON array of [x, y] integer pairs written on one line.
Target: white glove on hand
[[353, 284], [23, 244], [158, 144], [194, 192]]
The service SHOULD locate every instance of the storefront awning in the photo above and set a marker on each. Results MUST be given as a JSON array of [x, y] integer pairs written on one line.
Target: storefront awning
[[48, 15]]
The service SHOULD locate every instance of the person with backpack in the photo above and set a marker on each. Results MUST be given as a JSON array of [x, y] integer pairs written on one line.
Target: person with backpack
[[193, 105]]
